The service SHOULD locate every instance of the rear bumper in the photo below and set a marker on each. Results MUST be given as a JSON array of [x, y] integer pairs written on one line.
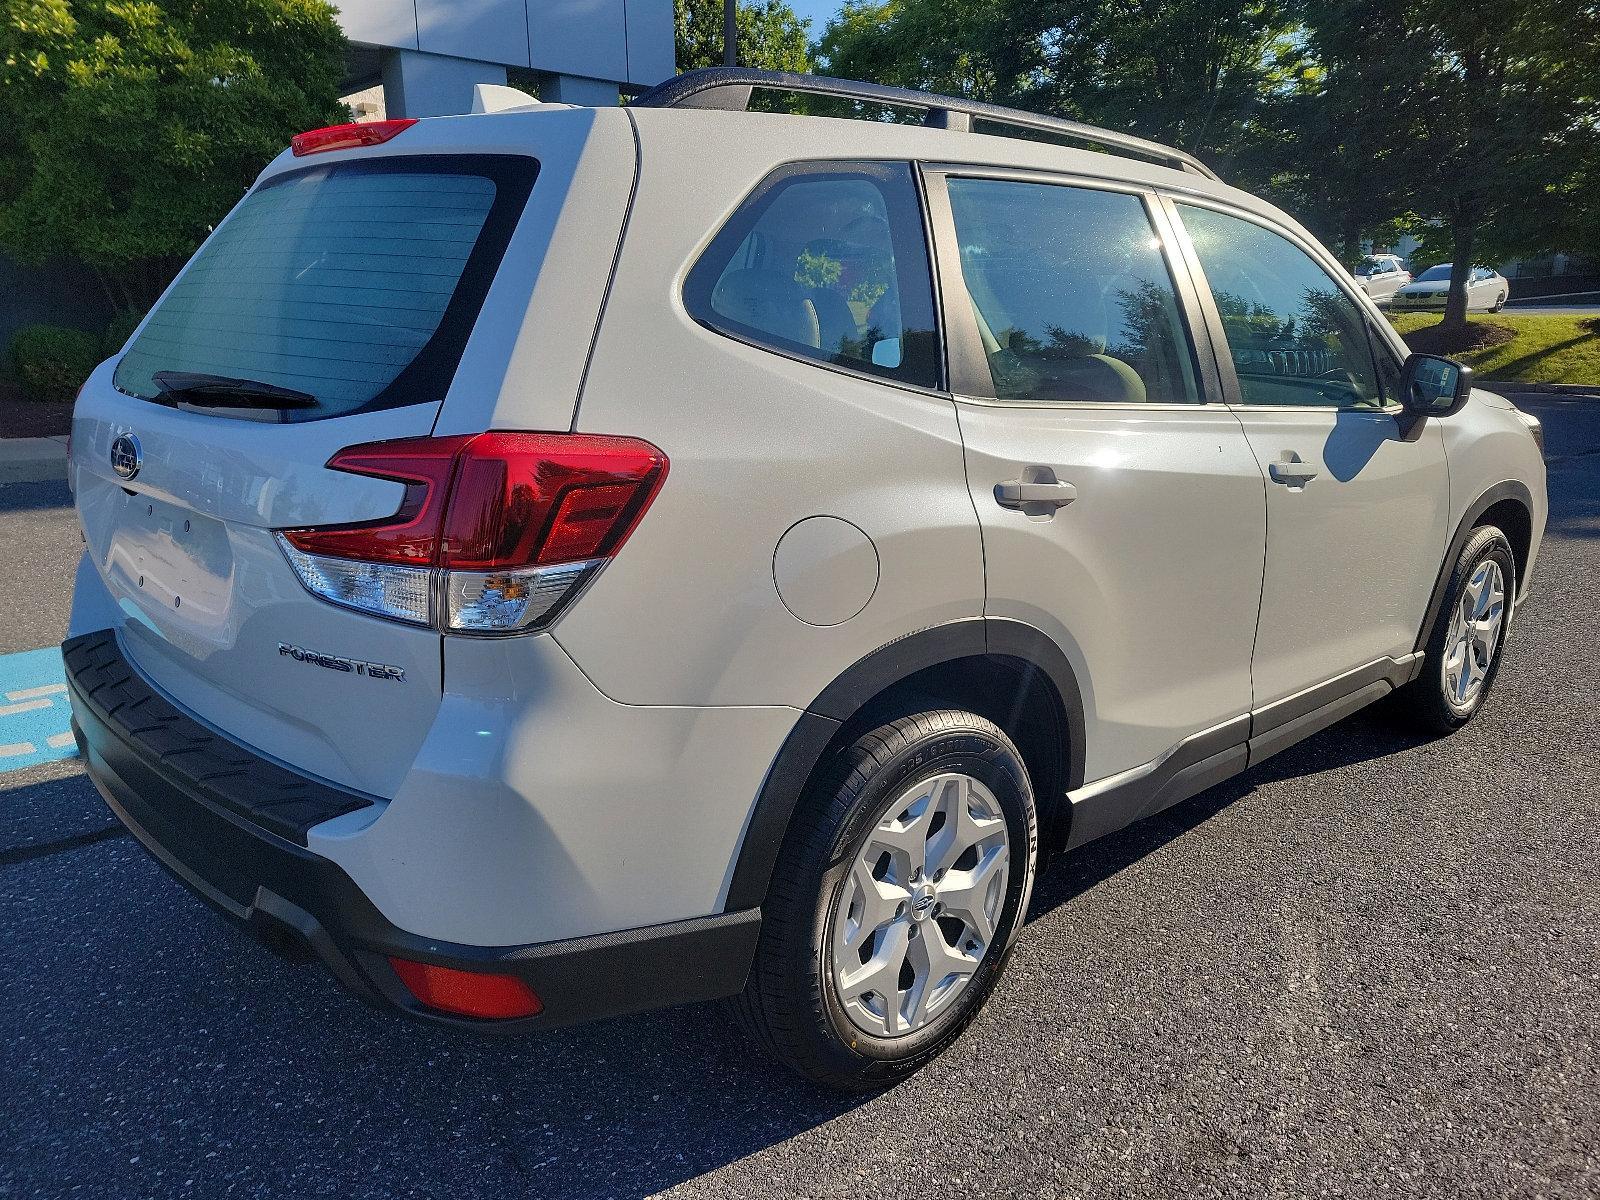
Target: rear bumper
[[285, 892]]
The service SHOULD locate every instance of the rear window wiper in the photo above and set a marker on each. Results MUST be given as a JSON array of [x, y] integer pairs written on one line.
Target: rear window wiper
[[224, 391]]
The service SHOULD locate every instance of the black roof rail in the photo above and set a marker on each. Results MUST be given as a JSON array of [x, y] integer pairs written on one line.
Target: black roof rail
[[729, 89]]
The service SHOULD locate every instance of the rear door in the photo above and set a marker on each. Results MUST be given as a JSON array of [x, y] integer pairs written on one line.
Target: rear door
[[1121, 509], [351, 289], [1357, 503]]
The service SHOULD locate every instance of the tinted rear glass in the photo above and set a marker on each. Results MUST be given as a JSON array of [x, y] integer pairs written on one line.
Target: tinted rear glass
[[826, 261], [357, 283]]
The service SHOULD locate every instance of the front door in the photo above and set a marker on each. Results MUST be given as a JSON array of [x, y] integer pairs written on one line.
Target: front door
[[1121, 508], [1357, 502]]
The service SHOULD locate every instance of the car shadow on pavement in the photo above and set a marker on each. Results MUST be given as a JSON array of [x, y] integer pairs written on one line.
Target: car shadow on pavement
[[248, 1069], [154, 1004], [1361, 738]]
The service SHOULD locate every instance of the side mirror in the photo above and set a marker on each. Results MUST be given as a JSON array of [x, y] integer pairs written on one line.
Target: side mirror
[[1434, 386]]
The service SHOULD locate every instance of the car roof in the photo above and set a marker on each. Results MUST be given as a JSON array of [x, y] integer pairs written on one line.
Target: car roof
[[778, 138]]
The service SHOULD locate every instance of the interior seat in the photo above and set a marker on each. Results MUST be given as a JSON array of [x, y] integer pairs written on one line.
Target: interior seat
[[769, 301]]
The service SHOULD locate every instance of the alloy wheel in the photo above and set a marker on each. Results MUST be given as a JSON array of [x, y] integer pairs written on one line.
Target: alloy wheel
[[919, 908], [1474, 637]]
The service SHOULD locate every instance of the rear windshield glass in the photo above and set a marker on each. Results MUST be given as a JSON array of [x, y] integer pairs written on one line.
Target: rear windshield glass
[[355, 283]]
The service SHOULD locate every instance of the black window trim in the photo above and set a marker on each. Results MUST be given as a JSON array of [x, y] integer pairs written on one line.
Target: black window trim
[[1372, 322], [970, 376], [733, 332]]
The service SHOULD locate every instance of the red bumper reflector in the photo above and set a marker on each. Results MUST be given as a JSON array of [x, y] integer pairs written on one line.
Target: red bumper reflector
[[467, 993], [348, 137]]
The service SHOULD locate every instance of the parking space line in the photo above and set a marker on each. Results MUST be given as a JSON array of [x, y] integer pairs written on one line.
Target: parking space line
[[7, 710], [49, 689], [36, 724]]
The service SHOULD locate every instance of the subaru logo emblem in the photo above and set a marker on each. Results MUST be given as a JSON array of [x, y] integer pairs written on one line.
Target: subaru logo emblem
[[125, 456]]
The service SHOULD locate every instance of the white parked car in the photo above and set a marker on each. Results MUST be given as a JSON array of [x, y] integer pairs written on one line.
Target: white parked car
[[1381, 275], [1487, 290], [550, 571]]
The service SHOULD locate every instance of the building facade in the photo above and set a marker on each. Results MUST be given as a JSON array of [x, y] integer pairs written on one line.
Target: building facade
[[422, 58]]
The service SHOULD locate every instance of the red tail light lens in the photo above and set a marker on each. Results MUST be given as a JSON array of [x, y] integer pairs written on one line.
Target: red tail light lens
[[538, 499], [348, 137], [411, 535], [467, 993], [515, 524]]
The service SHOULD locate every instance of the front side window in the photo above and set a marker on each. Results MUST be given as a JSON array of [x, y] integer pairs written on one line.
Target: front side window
[[1294, 335], [826, 261], [1072, 296]]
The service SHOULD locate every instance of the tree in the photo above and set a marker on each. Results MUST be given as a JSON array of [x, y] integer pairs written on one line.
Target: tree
[[950, 46], [1198, 74], [1332, 158], [129, 127], [1481, 115], [771, 36]]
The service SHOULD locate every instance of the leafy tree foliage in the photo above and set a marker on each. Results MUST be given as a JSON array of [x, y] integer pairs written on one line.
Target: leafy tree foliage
[[1484, 117], [1472, 122], [129, 127], [1193, 73], [771, 36]]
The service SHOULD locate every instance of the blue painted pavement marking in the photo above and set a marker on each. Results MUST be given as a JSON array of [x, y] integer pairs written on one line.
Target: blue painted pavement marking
[[35, 718]]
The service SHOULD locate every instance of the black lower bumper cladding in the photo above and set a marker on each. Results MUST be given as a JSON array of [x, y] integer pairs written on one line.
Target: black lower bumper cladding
[[232, 825]]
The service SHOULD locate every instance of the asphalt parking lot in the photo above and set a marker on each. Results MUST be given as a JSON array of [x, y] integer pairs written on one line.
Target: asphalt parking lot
[[1369, 967]]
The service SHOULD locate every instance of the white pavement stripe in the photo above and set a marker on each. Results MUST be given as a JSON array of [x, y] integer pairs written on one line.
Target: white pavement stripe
[[57, 740], [7, 710], [16, 748], [52, 689]]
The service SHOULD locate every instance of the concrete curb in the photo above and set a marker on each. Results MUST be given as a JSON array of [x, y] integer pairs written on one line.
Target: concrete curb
[[1572, 300], [33, 460]]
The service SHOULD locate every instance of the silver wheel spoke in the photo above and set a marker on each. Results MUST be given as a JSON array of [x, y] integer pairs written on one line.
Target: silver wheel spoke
[[969, 896], [919, 907], [940, 970], [881, 972], [870, 904], [1474, 636]]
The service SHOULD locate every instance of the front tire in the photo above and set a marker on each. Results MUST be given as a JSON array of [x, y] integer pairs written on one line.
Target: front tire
[[898, 892], [1463, 650]]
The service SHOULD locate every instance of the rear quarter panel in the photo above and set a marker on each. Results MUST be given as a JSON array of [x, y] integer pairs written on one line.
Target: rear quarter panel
[[689, 612]]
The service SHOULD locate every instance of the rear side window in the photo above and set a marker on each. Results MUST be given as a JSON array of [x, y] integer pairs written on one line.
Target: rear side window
[[357, 283], [826, 261], [1072, 296]]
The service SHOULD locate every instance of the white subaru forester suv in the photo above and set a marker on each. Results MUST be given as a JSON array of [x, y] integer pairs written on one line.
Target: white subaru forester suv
[[557, 562]]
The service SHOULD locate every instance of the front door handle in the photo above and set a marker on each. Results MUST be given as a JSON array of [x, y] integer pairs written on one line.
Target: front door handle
[[1016, 493], [1292, 470]]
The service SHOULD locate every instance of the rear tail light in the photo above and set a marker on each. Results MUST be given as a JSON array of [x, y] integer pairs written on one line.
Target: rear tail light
[[467, 993], [348, 137], [496, 533]]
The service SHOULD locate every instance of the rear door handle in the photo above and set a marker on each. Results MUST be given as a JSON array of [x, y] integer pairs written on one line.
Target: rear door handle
[[1292, 470], [1014, 493]]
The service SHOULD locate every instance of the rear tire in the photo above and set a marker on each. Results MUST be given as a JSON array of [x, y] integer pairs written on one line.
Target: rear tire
[[1500, 302], [1464, 646], [897, 894]]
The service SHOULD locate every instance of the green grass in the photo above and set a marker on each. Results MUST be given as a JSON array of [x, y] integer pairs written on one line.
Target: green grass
[[1541, 349]]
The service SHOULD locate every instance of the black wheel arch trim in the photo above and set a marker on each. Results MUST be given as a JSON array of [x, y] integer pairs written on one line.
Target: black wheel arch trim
[[899, 660], [1510, 489]]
